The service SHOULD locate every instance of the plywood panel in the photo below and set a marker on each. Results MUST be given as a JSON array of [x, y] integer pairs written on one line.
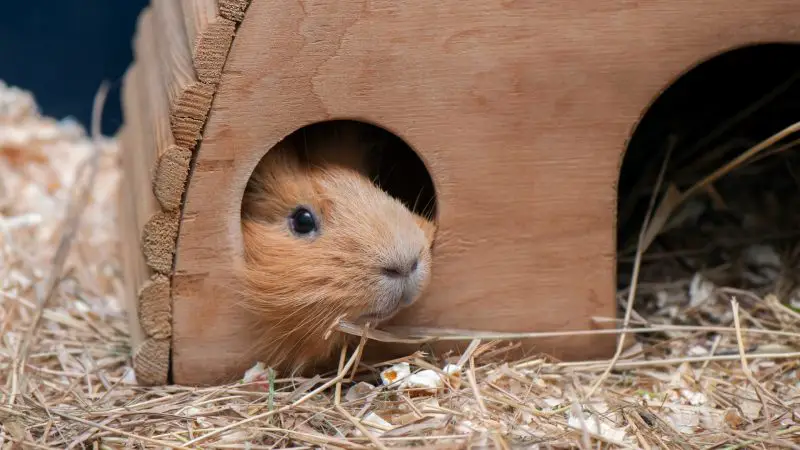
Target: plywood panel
[[180, 48], [520, 109]]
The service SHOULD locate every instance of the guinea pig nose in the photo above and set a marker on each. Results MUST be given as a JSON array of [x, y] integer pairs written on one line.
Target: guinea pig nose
[[401, 269]]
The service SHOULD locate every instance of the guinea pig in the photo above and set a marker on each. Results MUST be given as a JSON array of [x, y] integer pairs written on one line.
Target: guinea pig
[[322, 242]]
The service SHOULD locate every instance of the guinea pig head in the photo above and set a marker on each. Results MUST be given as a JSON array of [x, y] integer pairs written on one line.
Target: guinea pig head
[[323, 243]]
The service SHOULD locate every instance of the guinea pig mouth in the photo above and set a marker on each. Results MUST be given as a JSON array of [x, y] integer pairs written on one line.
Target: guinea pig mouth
[[386, 308], [376, 317]]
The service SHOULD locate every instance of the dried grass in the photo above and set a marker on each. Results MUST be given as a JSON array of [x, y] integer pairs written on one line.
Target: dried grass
[[715, 363]]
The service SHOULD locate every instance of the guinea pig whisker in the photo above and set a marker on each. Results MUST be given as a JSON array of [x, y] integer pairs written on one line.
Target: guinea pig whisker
[[416, 200], [311, 319], [295, 312], [301, 341]]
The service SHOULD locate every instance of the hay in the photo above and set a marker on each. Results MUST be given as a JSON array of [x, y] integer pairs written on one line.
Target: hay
[[712, 366]]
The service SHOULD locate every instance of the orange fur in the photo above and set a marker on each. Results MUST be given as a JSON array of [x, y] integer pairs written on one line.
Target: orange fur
[[297, 286]]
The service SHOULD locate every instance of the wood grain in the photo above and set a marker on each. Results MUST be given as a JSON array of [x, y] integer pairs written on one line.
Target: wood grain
[[210, 36], [132, 263], [233, 9], [197, 15], [151, 362], [521, 111], [155, 307], [169, 178], [135, 205], [146, 110], [180, 49]]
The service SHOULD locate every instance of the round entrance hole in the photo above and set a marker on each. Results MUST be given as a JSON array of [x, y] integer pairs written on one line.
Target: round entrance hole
[[330, 245]]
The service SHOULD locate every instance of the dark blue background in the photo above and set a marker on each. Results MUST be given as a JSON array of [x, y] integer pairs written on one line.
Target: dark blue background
[[62, 50]]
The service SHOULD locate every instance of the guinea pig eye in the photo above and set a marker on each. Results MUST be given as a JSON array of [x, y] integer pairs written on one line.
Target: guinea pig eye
[[303, 221]]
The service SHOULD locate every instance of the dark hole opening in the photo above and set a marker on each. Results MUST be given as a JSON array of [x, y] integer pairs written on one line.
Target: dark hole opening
[[394, 166], [403, 174], [715, 112]]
